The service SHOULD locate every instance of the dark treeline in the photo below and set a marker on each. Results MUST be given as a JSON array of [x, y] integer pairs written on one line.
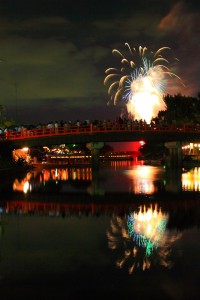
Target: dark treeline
[[181, 109]]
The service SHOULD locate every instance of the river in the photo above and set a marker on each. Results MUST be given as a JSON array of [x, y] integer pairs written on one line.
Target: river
[[126, 231]]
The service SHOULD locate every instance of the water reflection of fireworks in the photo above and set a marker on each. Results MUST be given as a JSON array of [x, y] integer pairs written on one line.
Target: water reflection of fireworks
[[142, 239]]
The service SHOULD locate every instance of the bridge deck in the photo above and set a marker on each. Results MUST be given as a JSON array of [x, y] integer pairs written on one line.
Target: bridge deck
[[111, 133]]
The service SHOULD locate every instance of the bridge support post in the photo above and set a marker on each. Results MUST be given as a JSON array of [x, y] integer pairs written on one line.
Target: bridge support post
[[95, 148], [174, 159]]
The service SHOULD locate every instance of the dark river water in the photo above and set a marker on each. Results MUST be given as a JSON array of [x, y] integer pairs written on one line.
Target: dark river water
[[126, 231]]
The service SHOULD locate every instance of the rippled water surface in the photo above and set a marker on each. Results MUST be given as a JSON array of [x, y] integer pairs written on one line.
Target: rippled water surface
[[124, 232]]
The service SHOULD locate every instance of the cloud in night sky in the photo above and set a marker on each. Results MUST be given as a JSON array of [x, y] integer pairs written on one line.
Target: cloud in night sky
[[54, 53]]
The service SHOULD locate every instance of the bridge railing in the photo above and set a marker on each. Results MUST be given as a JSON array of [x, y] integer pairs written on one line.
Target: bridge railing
[[95, 128]]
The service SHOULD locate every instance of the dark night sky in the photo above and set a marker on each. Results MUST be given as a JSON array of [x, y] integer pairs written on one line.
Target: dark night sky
[[55, 52]]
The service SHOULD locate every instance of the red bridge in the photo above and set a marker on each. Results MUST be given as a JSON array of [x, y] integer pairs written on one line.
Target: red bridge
[[103, 133]]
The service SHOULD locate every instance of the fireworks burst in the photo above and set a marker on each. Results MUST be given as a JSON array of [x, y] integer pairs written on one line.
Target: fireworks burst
[[140, 82]]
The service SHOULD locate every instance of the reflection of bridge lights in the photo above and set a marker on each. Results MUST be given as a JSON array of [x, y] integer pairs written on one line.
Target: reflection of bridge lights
[[191, 149], [191, 180], [74, 175], [46, 175], [55, 175], [141, 239], [66, 174]]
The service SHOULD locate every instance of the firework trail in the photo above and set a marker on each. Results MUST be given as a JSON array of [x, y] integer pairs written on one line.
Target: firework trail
[[140, 82]]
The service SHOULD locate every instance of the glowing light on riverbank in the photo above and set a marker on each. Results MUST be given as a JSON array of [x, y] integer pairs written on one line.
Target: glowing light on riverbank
[[140, 82]]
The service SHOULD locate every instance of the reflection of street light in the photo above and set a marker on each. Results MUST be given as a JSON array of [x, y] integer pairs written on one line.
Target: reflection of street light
[[191, 180]]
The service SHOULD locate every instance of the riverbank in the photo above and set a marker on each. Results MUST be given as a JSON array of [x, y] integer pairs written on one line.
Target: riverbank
[[41, 166], [8, 167]]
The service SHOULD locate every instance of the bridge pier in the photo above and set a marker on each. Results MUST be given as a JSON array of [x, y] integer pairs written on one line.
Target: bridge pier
[[95, 148], [174, 159]]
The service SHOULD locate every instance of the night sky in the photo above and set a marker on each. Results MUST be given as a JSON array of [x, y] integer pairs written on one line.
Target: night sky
[[54, 53]]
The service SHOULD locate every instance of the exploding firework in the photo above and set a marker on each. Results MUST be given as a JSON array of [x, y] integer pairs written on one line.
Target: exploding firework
[[140, 82]]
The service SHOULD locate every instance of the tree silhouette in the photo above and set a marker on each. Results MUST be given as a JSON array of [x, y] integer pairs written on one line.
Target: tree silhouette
[[181, 109]]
